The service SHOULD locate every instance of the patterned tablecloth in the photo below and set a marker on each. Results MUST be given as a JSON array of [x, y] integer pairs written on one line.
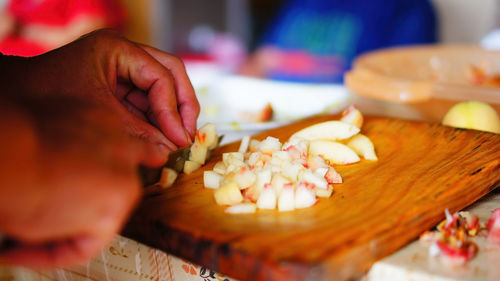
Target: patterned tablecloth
[[123, 260]]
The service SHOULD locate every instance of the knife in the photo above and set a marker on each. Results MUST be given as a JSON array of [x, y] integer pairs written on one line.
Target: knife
[[176, 160]]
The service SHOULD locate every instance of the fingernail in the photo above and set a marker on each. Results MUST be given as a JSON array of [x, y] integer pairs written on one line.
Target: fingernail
[[188, 137], [166, 148]]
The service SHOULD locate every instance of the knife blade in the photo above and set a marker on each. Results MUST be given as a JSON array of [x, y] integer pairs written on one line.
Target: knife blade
[[176, 160]]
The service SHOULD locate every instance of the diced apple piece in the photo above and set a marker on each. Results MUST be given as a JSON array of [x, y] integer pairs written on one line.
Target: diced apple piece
[[168, 177], [471, 223], [321, 171], [245, 142], [235, 165], [220, 168], [263, 177], [363, 146], [315, 162], [267, 198], [228, 194], [270, 145], [314, 179], [198, 153], [324, 193], [241, 208], [304, 195], [332, 176], [298, 151], [211, 179], [254, 145], [191, 166], [233, 161], [333, 152], [254, 158], [279, 157], [207, 136], [275, 167], [329, 130], [229, 157], [245, 177], [291, 170], [278, 181], [227, 178], [286, 199], [352, 116]]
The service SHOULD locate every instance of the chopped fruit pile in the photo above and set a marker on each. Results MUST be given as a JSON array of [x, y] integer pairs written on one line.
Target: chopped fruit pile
[[270, 175], [449, 241], [205, 141]]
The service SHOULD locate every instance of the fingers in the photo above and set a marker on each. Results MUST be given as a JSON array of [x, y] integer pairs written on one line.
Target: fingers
[[189, 106], [155, 146], [148, 75], [139, 99]]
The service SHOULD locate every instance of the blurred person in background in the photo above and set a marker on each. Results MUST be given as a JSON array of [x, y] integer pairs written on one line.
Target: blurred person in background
[[317, 40], [32, 27]]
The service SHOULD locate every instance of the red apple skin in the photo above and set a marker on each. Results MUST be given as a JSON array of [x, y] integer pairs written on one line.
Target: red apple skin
[[493, 227]]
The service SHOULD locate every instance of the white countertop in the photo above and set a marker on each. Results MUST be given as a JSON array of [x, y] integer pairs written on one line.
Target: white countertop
[[412, 263]]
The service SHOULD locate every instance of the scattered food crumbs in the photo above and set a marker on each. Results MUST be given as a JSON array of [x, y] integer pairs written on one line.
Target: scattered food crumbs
[[449, 242]]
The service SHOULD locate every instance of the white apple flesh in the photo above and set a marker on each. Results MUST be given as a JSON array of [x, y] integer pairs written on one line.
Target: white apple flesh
[[267, 198], [212, 179], [191, 166], [241, 208], [168, 177], [329, 130], [333, 152], [228, 194], [352, 116], [363, 146], [286, 199]]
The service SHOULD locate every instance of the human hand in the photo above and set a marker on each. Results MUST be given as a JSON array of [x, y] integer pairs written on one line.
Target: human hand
[[148, 89], [70, 182]]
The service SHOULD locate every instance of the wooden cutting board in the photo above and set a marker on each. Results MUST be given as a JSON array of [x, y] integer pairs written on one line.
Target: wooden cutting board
[[381, 206]]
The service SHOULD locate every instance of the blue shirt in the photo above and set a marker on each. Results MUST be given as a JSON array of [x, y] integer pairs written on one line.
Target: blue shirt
[[331, 33]]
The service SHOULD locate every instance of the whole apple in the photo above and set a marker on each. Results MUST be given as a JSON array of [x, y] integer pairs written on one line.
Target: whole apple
[[473, 115]]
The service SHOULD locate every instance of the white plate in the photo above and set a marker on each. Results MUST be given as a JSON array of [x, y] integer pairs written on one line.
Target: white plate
[[226, 99]]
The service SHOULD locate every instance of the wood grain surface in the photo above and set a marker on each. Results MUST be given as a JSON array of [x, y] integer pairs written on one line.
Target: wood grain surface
[[381, 206]]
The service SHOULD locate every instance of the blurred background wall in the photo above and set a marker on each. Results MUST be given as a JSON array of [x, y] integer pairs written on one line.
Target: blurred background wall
[[466, 21], [167, 23], [181, 26]]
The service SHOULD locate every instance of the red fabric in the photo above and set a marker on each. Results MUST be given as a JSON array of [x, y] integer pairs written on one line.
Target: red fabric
[[20, 47], [61, 12], [56, 13]]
